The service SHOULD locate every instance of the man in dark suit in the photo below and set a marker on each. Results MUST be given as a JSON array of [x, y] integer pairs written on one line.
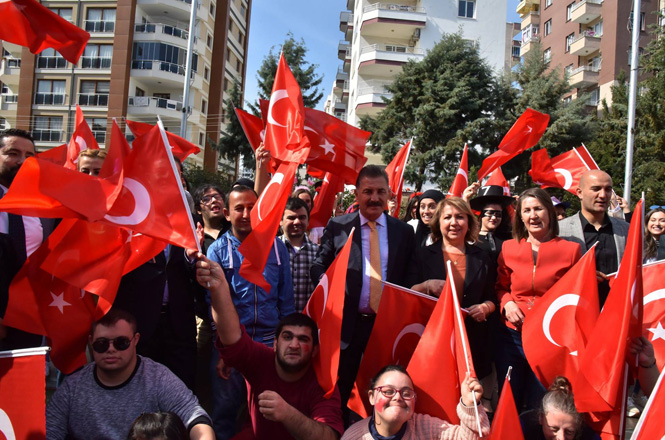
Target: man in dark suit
[[396, 245], [20, 236]]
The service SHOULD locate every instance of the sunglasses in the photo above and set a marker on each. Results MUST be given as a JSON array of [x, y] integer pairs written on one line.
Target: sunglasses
[[652, 207], [121, 343], [492, 213], [389, 392], [209, 198]]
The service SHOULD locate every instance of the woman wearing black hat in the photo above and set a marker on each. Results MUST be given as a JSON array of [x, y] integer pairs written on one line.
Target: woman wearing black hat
[[495, 220]]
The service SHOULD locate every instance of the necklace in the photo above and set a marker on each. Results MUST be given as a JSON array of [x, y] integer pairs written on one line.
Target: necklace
[[450, 254]]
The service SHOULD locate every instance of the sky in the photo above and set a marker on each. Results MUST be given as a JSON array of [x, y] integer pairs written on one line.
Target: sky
[[316, 22]]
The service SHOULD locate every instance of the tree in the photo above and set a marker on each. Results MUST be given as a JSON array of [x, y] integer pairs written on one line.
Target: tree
[[233, 142], [304, 72], [436, 101]]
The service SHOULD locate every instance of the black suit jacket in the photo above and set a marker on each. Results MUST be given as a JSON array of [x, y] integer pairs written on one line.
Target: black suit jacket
[[401, 245], [141, 292]]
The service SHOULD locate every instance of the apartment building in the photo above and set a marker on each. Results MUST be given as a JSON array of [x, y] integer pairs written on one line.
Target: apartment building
[[590, 40], [379, 38], [133, 67]]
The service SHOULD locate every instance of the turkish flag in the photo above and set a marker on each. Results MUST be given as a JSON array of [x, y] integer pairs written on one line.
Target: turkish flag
[[265, 217], [181, 148], [654, 309], [252, 126], [563, 171], [57, 155], [152, 200], [30, 24], [43, 304], [81, 139], [651, 426], [524, 134], [506, 422], [325, 307], [325, 200], [599, 380], [400, 321], [22, 394], [285, 120], [395, 171], [336, 147], [560, 324], [462, 177], [442, 358], [497, 178]]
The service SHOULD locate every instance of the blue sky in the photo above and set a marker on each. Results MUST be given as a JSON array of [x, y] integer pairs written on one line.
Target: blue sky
[[316, 22]]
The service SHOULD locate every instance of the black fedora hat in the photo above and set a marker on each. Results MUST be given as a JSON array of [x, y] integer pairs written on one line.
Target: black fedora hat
[[490, 194]]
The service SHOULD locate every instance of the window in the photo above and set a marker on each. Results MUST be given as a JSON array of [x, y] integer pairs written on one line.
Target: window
[[204, 106], [597, 29], [594, 97], [569, 69], [643, 21], [3, 124], [206, 73], [201, 138], [94, 93], [548, 27], [50, 59], [569, 40], [100, 20], [65, 13], [238, 66], [639, 54], [595, 63], [48, 129], [466, 8], [547, 55], [569, 11], [50, 92], [166, 57], [97, 56], [241, 38], [548, 3], [211, 8], [209, 41], [98, 128], [567, 100]]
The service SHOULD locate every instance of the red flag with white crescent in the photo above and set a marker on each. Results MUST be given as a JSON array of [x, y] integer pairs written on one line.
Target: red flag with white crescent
[[563, 171], [560, 324], [325, 200], [651, 426], [325, 307], [395, 171], [653, 326], [524, 134], [400, 321], [81, 139], [461, 180]]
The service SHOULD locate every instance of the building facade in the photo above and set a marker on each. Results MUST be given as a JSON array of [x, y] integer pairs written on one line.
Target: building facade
[[379, 38], [133, 67], [589, 40]]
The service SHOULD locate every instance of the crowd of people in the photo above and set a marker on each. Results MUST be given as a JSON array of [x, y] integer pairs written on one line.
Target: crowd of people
[[191, 349]]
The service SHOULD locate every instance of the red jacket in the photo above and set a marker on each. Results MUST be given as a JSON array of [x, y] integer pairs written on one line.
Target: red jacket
[[522, 281]]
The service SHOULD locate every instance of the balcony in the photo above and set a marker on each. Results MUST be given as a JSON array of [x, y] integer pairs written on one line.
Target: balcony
[[529, 44], [177, 9], [586, 11], [160, 71], [50, 98], [346, 66], [10, 70], [162, 33], [516, 52], [51, 62], [585, 44], [526, 6], [342, 48], [93, 99], [8, 102], [386, 59], [531, 19], [43, 135], [394, 20], [345, 21], [341, 76], [151, 106], [370, 100], [583, 76], [96, 62], [105, 26]]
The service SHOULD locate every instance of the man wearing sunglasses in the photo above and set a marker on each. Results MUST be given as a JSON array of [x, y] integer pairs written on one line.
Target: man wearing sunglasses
[[285, 398], [103, 398]]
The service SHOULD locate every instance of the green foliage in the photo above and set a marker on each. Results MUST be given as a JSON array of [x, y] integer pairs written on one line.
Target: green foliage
[[436, 101], [304, 72], [197, 176], [233, 141]]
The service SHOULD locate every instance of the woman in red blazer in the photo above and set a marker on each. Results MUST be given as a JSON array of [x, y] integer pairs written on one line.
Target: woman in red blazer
[[529, 264]]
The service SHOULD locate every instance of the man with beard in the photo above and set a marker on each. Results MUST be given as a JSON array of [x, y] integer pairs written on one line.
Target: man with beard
[[210, 204], [301, 250], [285, 399]]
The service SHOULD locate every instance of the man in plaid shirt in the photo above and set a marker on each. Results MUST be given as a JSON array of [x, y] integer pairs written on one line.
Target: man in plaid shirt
[[301, 250]]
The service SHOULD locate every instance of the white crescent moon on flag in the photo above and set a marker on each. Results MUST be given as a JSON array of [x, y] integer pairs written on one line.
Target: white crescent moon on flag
[[323, 283], [415, 328], [654, 296], [6, 427], [568, 178], [569, 299], [276, 96], [462, 172], [141, 204], [277, 178], [82, 144]]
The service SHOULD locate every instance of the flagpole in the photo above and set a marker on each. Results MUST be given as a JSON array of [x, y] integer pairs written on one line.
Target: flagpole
[[460, 323], [188, 70], [632, 98]]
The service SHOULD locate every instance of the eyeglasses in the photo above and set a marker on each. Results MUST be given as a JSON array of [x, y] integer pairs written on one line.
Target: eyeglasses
[[121, 343], [209, 198], [492, 213], [389, 392], [652, 207]]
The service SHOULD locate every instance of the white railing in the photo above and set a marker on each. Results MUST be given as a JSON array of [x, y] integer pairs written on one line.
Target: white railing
[[94, 99], [99, 25], [50, 98], [9, 99], [393, 7], [96, 62], [151, 28], [392, 48], [584, 69], [44, 135], [51, 62], [590, 34], [151, 101], [583, 2]]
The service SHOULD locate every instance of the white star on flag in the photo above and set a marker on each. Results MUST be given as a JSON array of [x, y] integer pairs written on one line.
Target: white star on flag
[[658, 332], [328, 148], [59, 302]]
